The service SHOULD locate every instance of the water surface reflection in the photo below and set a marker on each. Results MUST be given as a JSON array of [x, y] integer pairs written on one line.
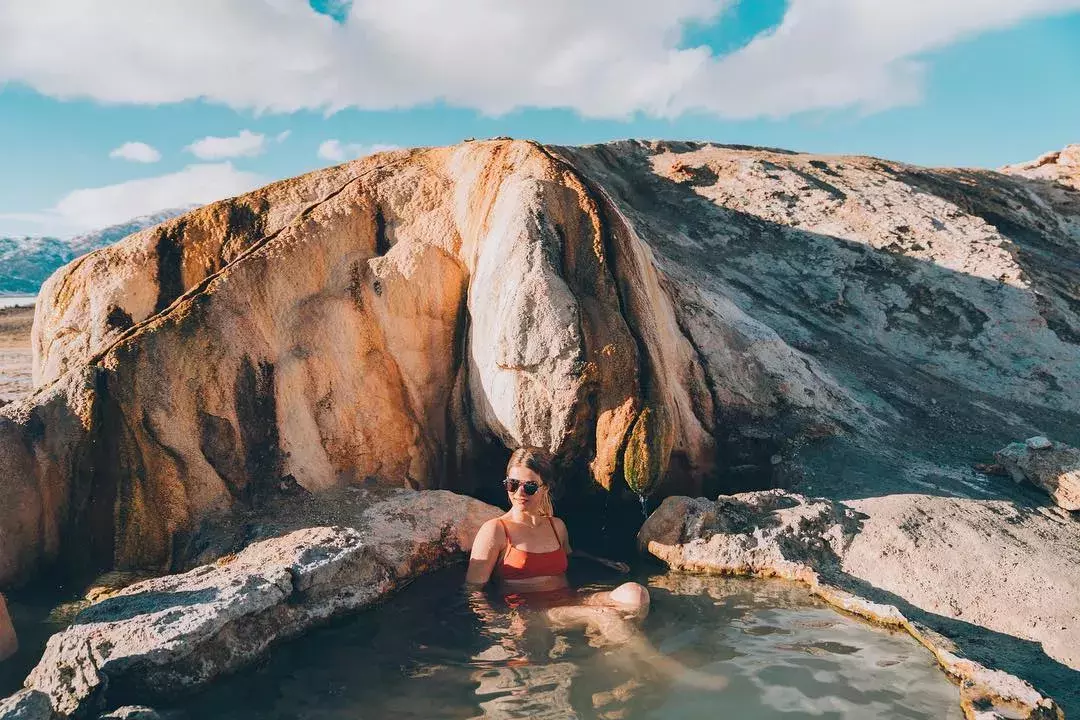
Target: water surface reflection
[[436, 652]]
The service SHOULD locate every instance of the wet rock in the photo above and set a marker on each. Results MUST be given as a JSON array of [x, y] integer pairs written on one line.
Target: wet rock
[[159, 637], [133, 712], [27, 705], [1054, 467]]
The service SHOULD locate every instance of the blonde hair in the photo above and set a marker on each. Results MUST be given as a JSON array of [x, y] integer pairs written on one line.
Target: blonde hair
[[542, 463]]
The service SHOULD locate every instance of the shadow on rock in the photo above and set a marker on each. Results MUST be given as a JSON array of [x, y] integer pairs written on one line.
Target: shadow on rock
[[125, 607], [1016, 656]]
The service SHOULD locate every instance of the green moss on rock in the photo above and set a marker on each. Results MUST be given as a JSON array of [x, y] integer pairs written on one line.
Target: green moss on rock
[[648, 449]]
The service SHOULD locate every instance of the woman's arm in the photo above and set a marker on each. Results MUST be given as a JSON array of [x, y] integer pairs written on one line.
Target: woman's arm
[[486, 549]]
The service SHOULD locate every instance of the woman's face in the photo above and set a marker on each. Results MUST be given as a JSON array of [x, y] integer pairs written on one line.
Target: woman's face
[[519, 498]]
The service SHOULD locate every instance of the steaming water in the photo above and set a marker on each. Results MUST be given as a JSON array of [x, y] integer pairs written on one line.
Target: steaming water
[[427, 654]]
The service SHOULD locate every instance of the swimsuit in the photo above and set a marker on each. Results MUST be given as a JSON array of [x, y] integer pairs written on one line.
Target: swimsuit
[[519, 564]]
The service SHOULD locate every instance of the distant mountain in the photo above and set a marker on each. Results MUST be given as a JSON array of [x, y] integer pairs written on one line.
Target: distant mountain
[[26, 262]]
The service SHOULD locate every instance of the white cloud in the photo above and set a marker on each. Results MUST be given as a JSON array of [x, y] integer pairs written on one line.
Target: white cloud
[[337, 151], [136, 152], [283, 136], [602, 58], [93, 208], [246, 144]]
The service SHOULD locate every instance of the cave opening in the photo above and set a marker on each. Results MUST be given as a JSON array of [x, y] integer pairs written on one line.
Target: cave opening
[[749, 455]]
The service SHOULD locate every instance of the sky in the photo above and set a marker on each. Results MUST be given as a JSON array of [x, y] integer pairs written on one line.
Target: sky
[[109, 110]]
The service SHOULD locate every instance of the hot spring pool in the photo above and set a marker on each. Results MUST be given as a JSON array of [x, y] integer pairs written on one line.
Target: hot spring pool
[[427, 654]]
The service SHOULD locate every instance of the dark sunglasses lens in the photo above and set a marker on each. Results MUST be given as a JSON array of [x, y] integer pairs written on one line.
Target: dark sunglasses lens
[[512, 484]]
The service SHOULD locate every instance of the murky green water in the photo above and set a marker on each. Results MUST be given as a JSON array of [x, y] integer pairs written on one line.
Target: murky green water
[[430, 655]]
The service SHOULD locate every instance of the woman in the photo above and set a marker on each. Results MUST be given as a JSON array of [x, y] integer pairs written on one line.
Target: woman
[[527, 547]]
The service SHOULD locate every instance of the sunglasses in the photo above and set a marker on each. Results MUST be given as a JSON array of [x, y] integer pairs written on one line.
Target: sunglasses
[[530, 486]]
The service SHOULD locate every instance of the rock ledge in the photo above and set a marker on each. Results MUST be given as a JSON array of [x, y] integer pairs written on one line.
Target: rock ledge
[[160, 637], [785, 535]]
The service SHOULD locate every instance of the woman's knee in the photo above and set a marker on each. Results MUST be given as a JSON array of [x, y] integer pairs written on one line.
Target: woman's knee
[[631, 595]]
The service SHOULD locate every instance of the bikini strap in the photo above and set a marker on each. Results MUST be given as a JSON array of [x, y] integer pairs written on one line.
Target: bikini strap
[[552, 521]]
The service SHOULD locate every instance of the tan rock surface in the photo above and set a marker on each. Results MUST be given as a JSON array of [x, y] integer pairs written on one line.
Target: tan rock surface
[[989, 564], [722, 317], [1058, 166], [388, 318], [1055, 467]]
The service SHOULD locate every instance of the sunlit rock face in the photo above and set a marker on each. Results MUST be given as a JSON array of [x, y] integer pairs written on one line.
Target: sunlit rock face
[[672, 317]]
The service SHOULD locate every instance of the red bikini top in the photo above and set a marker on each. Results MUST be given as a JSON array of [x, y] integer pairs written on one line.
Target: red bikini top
[[518, 564]]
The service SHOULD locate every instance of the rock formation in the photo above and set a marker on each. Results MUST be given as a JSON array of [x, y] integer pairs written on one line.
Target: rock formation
[[1058, 167], [1052, 466], [668, 317]]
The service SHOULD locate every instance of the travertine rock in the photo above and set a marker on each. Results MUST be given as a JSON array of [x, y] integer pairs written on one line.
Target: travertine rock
[[1055, 467], [694, 315], [160, 637]]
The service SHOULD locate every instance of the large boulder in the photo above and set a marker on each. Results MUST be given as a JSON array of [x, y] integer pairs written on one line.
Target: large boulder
[[161, 637], [665, 317]]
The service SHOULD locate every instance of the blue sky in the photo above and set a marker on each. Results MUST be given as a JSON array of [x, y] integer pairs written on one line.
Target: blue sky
[[976, 83]]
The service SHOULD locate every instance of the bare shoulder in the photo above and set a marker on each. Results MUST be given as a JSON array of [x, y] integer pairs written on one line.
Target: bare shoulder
[[491, 530], [560, 528]]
